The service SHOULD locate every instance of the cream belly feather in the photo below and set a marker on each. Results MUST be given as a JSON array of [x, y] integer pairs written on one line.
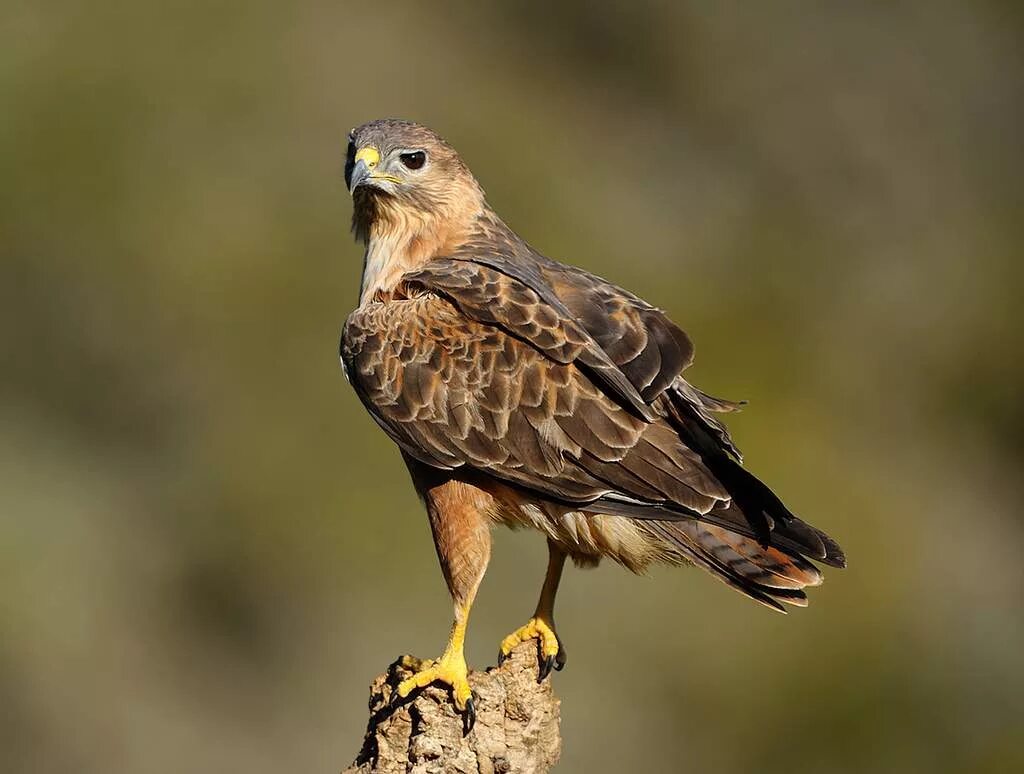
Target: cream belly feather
[[586, 537]]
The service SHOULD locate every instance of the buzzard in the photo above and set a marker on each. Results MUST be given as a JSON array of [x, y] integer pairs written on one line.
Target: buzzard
[[525, 392]]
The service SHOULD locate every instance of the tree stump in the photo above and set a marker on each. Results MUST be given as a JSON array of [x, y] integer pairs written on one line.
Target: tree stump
[[516, 727]]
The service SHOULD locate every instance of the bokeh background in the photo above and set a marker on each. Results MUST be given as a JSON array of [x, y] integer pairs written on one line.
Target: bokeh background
[[207, 549]]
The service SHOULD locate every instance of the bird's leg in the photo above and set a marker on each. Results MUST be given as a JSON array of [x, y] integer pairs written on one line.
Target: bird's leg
[[450, 669], [542, 626], [463, 540]]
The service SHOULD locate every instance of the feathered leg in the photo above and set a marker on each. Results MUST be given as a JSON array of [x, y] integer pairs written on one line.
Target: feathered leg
[[462, 537]]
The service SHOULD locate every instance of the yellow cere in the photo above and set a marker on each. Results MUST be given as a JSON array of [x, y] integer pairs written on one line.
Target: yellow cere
[[369, 155]]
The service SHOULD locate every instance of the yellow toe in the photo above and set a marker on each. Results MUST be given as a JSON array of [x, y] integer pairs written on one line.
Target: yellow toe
[[450, 670], [535, 629]]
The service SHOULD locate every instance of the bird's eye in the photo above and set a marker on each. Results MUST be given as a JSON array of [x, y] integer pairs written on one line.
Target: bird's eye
[[414, 160]]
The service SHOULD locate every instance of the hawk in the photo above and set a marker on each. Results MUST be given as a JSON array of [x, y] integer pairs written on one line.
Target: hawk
[[525, 392]]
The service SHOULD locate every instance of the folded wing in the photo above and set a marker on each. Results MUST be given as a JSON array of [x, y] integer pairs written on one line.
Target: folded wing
[[558, 382], [454, 391]]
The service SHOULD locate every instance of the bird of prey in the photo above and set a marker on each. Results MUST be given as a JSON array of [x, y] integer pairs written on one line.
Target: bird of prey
[[525, 392]]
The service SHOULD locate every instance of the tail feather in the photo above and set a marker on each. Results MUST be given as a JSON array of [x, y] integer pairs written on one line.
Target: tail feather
[[755, 510], [748, 539], [767, 575], [794, 537], [766, 566]]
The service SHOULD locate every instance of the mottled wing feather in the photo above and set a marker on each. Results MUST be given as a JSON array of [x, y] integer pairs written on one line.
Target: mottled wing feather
[[486, 294], [455, 391], [633, 347], [641, 340], [643, 343], [648, 349]]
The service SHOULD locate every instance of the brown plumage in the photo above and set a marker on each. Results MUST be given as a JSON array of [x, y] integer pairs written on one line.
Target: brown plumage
[[533, 393]]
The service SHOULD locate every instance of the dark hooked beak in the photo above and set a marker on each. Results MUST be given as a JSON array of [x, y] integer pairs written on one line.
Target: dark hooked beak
[[363, 163], [359, 175]]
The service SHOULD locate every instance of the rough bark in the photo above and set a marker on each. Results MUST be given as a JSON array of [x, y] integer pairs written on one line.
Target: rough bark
[[516, 727]]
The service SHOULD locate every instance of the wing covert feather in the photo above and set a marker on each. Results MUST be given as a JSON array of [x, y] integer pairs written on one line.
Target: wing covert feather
[[639, 339], [454, 391], [486, 294]]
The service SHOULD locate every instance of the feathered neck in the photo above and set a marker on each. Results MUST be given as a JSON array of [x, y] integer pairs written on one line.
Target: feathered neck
[[400, 238]]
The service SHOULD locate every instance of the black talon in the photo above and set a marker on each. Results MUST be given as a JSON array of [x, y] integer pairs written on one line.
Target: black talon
[[501, 657], [560, 660], [545, 668], [396, 700], [469, 718]]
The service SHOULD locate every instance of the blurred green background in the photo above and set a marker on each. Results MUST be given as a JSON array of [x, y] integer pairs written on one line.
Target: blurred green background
[[208, 549]]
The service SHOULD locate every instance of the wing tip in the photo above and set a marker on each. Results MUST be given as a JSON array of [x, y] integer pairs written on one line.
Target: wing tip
[[832, 554]]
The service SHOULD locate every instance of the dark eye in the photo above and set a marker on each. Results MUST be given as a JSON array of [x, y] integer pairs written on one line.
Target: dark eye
[[414, 160]]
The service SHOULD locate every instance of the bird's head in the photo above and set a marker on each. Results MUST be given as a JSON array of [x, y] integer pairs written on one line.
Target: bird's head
[[404, 176]]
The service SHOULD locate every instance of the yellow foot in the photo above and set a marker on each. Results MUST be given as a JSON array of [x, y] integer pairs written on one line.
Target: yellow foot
[[451, 670], [551, 652]]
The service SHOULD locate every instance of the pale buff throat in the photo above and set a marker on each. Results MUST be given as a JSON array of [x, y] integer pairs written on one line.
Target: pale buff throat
[[403, 238]]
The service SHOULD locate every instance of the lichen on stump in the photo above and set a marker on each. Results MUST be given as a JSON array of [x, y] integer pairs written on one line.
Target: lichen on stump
[[516, 727]]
